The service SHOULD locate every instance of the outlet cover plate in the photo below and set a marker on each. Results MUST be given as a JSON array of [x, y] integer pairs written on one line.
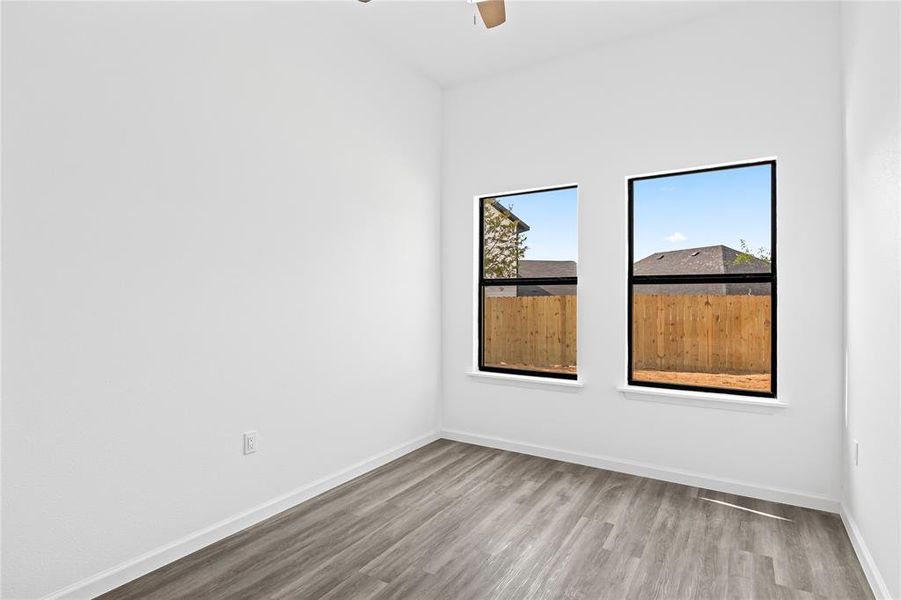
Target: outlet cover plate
[[250, 442]]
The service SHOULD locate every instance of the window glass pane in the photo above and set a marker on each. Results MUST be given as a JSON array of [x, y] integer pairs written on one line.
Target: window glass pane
[[530, 328], [713, 222], [530, 235], [714, 335]]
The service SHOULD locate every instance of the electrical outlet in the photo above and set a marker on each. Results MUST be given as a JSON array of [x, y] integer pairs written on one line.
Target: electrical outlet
[[856, 453], [250, 442]]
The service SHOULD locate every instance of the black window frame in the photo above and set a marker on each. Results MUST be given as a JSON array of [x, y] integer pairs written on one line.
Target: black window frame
[[723, 278], [485, 282]]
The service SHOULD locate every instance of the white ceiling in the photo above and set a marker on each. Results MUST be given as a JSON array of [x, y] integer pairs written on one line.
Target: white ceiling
[[438, 38]]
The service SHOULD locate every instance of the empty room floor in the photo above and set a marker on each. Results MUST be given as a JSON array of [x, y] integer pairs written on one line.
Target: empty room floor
[[454, 520]]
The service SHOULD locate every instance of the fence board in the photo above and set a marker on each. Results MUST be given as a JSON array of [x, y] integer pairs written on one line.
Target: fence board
[[538, 331], [700, 334]]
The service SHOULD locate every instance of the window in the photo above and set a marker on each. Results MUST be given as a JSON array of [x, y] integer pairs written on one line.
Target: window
[[702, 280], [527, 283]]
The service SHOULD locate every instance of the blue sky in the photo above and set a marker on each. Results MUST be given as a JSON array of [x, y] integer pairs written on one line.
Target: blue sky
[[671, 213], [703, 209], [553, 220]]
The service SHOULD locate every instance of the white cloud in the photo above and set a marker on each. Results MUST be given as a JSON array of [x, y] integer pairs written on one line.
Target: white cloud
[[676, 237]]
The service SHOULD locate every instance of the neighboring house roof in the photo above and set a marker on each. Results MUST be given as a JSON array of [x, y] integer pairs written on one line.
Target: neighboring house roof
[[707, 260], [690, 261], [547, 268], [521, 226]]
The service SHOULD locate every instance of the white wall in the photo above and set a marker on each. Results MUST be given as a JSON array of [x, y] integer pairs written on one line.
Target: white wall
[[217, 217], [751, 81], [872, 71], [173, 179]]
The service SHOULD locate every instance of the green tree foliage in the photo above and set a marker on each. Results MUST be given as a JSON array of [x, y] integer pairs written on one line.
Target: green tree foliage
[[504, 245], [747, 255]]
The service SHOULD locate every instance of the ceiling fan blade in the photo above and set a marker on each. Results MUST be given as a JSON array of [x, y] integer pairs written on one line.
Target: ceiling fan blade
[[493, 12]]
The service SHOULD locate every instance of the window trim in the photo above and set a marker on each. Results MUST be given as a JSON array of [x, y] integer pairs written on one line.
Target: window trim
[[770, 278], [482, 282]]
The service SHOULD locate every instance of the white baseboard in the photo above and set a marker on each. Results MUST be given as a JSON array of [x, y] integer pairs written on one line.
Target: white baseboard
[[874, 577], [141, 565], [132, 569], [702, 480]]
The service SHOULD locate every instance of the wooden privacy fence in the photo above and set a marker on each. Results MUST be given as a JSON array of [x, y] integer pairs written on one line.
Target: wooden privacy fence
[[538, 331], [701, 334], [698, 334]]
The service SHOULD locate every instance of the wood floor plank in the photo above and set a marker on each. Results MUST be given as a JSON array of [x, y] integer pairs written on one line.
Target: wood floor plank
[[458, 522]]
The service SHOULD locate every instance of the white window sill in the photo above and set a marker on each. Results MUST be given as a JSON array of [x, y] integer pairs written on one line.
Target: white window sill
[[526, 380], [702, 399]]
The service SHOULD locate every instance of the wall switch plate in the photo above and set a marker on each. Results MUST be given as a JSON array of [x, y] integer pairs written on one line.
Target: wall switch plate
[[250, 442]]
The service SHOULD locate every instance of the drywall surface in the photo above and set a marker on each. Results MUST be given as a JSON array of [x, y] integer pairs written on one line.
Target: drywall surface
[[872, 73], [217, 218], [752, 81]]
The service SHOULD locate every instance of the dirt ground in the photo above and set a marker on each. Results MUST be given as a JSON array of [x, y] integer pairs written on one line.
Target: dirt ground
[[551, 369], [756, 382]]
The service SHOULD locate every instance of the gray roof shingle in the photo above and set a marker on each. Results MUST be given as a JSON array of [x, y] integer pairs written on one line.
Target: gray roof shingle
[[547, 268], [707, 260]]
